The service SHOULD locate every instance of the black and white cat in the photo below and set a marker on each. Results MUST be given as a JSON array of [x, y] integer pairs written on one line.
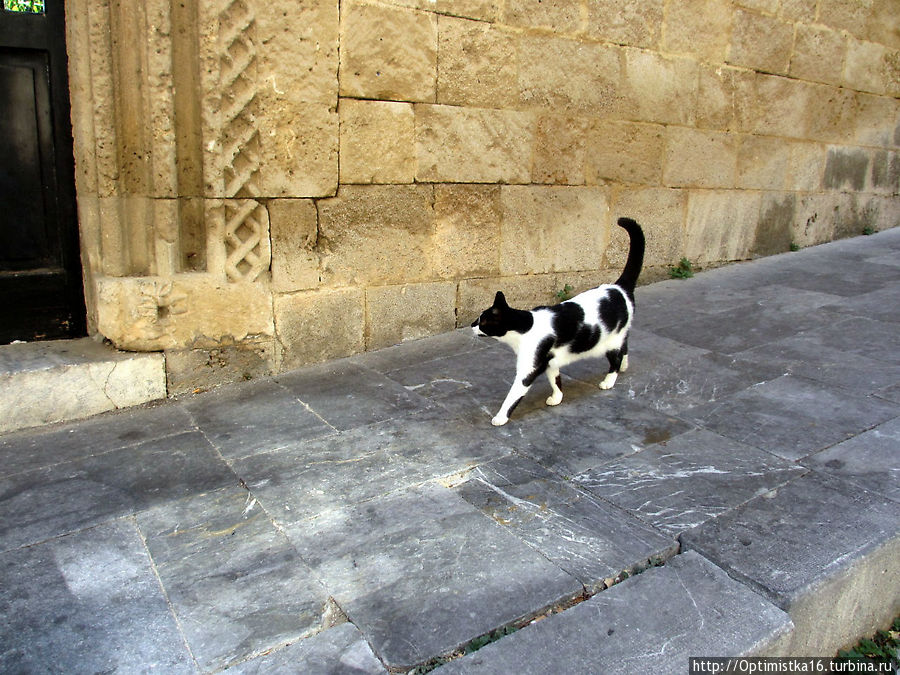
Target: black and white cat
[[590, 325]]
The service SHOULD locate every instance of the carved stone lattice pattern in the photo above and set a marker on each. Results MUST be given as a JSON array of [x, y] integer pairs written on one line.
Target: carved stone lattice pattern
[[246, 234], [246, 221]]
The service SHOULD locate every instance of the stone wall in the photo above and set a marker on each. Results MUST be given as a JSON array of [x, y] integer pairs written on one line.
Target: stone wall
[[263, 185]]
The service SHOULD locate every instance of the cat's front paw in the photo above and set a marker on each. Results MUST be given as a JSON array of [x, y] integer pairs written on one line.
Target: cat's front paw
[[499, 420], [609, 381], [555, 399]]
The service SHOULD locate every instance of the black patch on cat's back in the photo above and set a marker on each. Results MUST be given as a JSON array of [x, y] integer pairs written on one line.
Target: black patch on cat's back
[[614, 310], [571, 330]]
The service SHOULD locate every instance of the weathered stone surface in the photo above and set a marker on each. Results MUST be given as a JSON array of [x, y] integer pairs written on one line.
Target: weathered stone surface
[[192, 370], [395, 314], [476, 64], [846, 169], [254, 417], [630, 23], [867, 460], [377, 142], [560, 150], [294, 230], [388, 52], [64, 498], [331, 652], [152, 313], [833, 119], [422, 596], [466, 237], [235, 583], [625, 152], [728, 98], [704, 159], [632, 623], [823, 550], [581, 534], [556, 15], [721, 225], [762, 163], [568, 76], [782, 106], [87, 602], [760, 42], [376, 235], [551, 229], [375, 397], [318, 325], [805, 168], [699, 28], [473, 145], [867, 67], [55, 381], [693, 478], [659, 211], [792, 418], [659, 89], [774, 233], [818, 54]]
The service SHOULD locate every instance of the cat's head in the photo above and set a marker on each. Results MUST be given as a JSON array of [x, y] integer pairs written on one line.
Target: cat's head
[[494, 321]]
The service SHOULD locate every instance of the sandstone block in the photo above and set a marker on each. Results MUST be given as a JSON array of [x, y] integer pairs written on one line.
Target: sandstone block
[[726, 98], [395, 314], [774, 232], [388, 52], [293, 224], [760, 42], [466, 237], [805, 167], [522, 292], [626, 152], [569, 76], [376, 235], [798, 10], [660, 212], [781, 106], [553, 229], [699, 28], [658, 88], [485, 10], [721, 225], [833, 117], [848, 15], [477, 64], [315, 326], [846, 169], [866, 68], [634, 23], [814, 219], [377, 142], [473, 145], [696, 158], [559, 150], [197, 311], [762, 163], [818, 54], [561, 16], [885, 175], [189, 370], [877, 120]]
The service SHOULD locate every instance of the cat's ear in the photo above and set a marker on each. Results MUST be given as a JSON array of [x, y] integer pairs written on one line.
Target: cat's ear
[[500, 300]]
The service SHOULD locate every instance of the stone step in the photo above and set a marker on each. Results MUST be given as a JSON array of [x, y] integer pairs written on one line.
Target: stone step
[[59, 380]]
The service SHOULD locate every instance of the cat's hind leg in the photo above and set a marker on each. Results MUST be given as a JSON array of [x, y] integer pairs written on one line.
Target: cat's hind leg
[[555, 378], [624, 366], [615, 366]]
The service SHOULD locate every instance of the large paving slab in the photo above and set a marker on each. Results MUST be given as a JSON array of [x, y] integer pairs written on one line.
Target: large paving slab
[[791, 416], [63, 498], [234, 581], [651, 623], [421, 572], [688, 480], [870, 460], [352, 466], [259, 416], [588, 538], [341, 650], [87, 603], [826, 551]]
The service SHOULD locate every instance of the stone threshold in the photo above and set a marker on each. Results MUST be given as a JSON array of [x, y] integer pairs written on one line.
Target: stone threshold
[[61, 380]]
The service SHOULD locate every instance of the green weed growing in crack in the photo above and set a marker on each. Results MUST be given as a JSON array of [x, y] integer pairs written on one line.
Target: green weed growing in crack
[[683, 270]]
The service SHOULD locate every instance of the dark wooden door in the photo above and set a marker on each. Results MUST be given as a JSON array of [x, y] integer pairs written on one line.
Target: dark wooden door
[[41, 291]]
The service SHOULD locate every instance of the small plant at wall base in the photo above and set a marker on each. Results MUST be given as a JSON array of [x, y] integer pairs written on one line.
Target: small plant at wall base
[[565, 293], [884, 646], [868, 229], [683, 270], [30, 6]]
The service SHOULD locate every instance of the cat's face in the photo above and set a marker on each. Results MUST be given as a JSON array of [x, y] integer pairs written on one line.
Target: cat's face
[[492, 320]]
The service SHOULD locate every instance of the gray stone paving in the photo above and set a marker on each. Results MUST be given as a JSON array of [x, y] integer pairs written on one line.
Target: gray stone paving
[[737, 492]]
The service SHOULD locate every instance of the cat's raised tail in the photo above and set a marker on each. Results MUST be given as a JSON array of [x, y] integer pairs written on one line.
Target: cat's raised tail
[[628, 279]]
